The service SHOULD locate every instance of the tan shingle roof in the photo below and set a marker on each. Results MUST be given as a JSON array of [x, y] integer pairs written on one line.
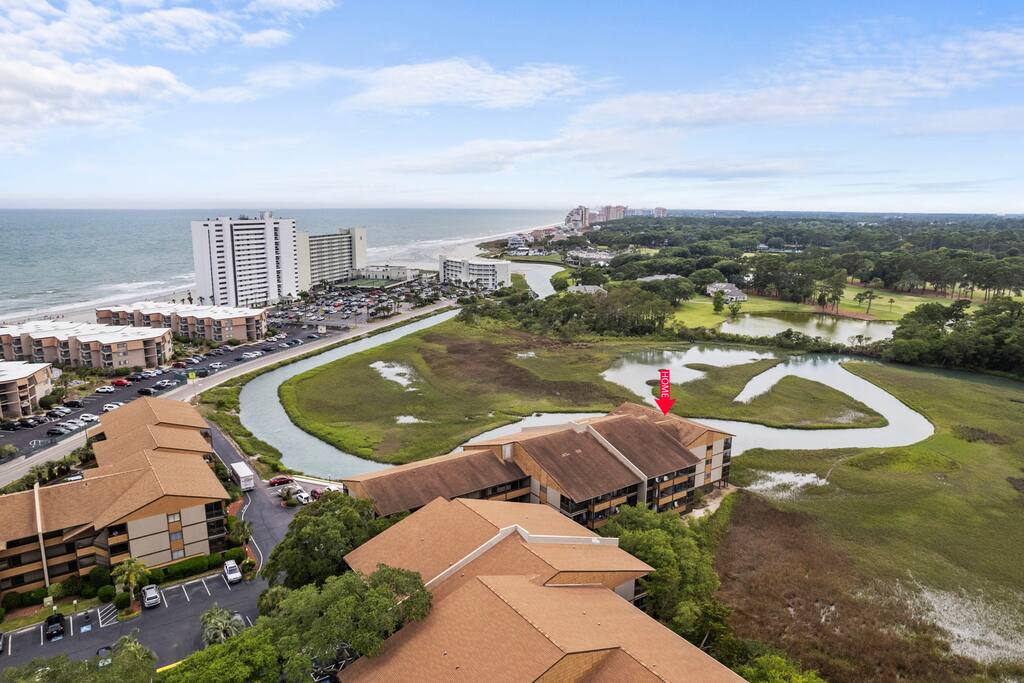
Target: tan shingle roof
[[150, 411], [683, 429], [151, 437], [408, 487], [17, 512], [508, 628], [644, 444]]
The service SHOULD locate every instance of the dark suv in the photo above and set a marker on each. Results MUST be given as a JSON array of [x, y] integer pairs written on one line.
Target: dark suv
[[54, 628]]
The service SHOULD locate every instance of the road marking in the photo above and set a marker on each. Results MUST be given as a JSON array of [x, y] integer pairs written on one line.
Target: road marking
[[205, 586], [183, 590], [226, 581], [249, 620], [107, 615], [71, 621], [40, 635], [163, 597]]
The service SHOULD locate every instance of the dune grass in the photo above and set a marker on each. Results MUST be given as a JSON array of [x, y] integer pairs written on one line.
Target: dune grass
[[793, 402]]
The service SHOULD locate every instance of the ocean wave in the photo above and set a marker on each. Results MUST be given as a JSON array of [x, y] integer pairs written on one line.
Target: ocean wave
[[125, 294]]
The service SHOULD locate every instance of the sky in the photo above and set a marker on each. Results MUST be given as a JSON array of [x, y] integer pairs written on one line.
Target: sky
[[786, 105]]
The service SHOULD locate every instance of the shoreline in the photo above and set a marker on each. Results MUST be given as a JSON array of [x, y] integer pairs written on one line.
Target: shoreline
[[420, 254]]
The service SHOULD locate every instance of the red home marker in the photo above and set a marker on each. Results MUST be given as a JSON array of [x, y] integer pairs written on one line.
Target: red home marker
[[664, 400]]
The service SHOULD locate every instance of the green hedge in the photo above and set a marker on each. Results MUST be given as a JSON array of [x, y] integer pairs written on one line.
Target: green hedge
[[203, 563], [122, 600], [105, 593], [11, 600], [88, 591]]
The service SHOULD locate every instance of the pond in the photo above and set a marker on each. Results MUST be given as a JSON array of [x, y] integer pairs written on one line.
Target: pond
[[538, 276], [811, 324], [905, 426]]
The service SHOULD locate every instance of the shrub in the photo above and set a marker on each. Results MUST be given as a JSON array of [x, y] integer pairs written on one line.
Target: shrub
[[88, 591], [233, 342], [156, 576], [236, 554], [193, 565], [122, 600], [105, 593], [3, 613], [99, 576], [248, 565], [35, 597], [72, 585], [49, 401], [291, 502], [11, 600]]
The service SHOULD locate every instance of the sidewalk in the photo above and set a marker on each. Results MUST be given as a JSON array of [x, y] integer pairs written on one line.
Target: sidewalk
[[20, 466]]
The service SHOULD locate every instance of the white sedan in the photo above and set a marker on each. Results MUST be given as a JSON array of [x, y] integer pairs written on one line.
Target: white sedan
[[88, 417], [105, 389]]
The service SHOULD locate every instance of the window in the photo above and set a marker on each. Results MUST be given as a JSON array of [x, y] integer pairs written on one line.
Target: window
[[174, 517], [177, 554], [175, 536]]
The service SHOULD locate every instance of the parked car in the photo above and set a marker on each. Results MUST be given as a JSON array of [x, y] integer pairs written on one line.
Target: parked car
[[107, 407], [136, 376], [231, 572], [303, 497], [150, 596], [122, 383], [105, 389], [27, 423], [312, 336], [281, 480], [88, 417], [293, 488], [180, 364], [148, 374], [9, 426], [217, 366], [75, 424], [54, 627], [148, 391], [316, 493], [56, 431], [2, 642], [74, 403]]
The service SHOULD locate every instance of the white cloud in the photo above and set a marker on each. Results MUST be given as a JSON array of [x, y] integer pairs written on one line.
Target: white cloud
[[289, 7], [980, 120], [722, 171], [828, 84], [460, 81], [271, 37], [184, 29]]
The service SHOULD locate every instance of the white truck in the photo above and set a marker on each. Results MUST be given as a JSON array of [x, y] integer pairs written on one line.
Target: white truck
[[243, 476]]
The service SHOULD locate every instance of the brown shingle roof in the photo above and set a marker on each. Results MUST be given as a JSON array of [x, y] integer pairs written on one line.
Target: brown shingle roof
[[17, 512], [408, 487], [683, 429], [644, 444], [581, 465]]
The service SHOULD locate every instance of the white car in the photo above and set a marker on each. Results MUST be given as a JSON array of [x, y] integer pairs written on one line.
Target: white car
[[105, 389], [110, 406], [303, 497], [72, 425], [217, 366], [88, 417], [231, 572]]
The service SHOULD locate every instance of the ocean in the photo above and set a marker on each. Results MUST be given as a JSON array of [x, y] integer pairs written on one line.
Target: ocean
[[62, 260]]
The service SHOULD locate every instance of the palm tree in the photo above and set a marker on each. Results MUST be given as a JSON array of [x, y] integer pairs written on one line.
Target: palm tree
[[891, 302], [219, 625], [243, 531], [131, 572]]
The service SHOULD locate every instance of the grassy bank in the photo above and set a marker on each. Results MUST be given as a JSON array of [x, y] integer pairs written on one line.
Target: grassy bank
[[793, 402], [942, 517]]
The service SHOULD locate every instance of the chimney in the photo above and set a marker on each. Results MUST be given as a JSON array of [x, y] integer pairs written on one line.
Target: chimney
[[506, 451]]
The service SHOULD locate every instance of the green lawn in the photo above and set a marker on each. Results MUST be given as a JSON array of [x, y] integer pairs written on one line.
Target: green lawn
[[794, 402], [941, 512], [546, 258]]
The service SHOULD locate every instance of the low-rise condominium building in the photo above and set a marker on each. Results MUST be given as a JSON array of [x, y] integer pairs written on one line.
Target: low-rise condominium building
[[215, 323], [730, 291], [22, 385], [586, 468], [90, 345], [387, 273], [481, 272], [152, 497], [521, 593], [330, 257]]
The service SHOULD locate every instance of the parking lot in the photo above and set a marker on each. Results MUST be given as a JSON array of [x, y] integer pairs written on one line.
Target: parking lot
[[171, 630], [33, 438]]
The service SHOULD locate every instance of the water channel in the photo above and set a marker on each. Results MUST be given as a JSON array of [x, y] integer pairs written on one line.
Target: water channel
[[263, 415]]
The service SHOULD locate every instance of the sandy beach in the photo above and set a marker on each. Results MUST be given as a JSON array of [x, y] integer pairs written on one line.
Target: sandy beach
[[420, 254]]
